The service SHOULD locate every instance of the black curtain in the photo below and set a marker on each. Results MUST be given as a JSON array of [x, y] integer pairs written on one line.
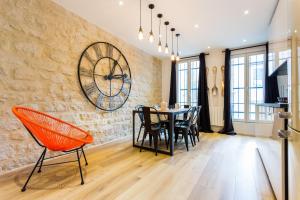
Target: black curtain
[[271, 84], [228, 127], [204, 122], [173, 95]]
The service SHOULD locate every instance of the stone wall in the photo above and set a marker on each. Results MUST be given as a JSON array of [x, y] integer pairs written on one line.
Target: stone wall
[[40, 45]]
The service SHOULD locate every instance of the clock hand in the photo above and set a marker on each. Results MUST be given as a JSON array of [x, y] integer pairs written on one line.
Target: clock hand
[[114, 67], [119, 76], [104, 76]]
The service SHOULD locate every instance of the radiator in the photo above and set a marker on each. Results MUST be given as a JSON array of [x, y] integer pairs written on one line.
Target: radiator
[[216, 115]]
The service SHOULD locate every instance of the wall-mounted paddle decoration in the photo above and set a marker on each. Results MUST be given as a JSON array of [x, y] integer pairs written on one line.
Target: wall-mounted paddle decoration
[[214, 90], [222, 86], [207, 72]]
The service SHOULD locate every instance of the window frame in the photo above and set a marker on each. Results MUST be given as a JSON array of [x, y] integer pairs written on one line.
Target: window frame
[[189, 80], [247, 87]]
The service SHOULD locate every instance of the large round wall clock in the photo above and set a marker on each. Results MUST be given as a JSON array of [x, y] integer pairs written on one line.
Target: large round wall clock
[[104, 76]]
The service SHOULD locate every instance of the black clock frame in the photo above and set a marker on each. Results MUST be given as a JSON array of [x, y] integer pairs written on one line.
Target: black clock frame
[[80, 83]]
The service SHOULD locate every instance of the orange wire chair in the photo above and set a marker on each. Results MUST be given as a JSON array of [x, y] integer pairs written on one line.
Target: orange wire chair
[[53, 134]]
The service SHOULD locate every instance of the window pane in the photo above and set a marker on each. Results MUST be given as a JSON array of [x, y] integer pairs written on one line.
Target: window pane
[[256, 79], [182, 83], [238, 84], [188, 77]]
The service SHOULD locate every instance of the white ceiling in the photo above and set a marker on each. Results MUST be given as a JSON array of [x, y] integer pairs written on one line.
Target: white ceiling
[[222, 23]]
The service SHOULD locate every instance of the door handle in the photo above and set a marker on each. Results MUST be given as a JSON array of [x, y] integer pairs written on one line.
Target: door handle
[[285, 115], [285, 134]]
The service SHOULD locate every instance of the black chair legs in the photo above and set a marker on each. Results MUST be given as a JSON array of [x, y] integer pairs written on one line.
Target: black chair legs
[[41, 159], [78, 159], [40, 168], [42, 155], [86, 163], [139, 133]]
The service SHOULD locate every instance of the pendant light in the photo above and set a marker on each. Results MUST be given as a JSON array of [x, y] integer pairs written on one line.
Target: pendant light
[[151, 36], [172, 55], [159, 34], [166, 47], [177, 55], [141, 34]]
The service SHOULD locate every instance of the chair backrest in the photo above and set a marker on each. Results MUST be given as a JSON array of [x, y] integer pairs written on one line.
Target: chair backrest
[[49, 131], [139, 108], [151, 116], [185, 115], [190, 115], [197, 115]]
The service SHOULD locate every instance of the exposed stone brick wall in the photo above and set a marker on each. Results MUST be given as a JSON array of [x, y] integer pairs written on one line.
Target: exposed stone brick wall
[[40, 45]]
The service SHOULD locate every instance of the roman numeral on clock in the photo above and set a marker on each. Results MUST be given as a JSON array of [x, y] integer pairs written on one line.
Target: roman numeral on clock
[[100, 100], [86, 72], [89, 58], [98, 51], [109, 51], [90, 88]]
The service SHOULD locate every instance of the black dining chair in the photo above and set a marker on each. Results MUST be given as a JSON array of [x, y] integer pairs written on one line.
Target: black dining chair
[[183, 117], [142, 121], [184, 128], [195, 126], [153, 127]]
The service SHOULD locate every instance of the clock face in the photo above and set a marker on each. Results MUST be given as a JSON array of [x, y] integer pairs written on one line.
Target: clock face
[[104, 76]]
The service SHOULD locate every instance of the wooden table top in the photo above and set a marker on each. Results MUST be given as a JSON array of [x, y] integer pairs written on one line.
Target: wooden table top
[[168, 111]]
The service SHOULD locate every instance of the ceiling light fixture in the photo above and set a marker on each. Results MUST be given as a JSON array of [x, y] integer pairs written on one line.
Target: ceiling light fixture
[[159, 38], [151, 36], [244, 40], [121, 3], [246, 12], [177, 56], [172, 55], [196, 26], [208, 47], [141, 34], [166, 47]]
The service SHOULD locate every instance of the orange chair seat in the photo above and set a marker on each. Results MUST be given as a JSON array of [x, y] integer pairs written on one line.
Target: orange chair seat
[[51, 132]]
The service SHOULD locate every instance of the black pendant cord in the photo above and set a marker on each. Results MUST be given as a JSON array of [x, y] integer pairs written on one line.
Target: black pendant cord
[[172, 42], [159, 29], [151, 20], [140, 13], [172, 30], [177, 44], [166, 24]]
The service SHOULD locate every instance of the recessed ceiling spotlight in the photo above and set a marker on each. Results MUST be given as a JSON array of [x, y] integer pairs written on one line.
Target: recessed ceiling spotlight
[[208, 47], [295, 31], [244, 40], [121, 3], [196, 26], [246, 12]]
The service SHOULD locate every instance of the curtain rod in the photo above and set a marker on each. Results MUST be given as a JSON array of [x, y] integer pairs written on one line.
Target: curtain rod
[[257, 45], [195, 56]]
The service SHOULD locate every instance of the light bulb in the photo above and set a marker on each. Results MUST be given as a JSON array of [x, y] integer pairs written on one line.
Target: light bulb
[[177, 57], [159, 47], [141, 35], [172, 56], [151, 37], [166, 49]]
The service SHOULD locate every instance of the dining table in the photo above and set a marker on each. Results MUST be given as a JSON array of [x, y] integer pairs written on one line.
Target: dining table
[[171, 116]]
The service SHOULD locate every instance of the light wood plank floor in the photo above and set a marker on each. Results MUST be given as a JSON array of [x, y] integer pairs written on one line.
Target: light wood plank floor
[[219, 167]]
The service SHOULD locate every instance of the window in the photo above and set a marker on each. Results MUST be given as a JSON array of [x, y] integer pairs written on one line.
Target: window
[[188, 76], [247, 77]]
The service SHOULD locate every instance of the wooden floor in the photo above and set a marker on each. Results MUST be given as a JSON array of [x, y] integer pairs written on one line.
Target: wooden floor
[[219, 167]]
